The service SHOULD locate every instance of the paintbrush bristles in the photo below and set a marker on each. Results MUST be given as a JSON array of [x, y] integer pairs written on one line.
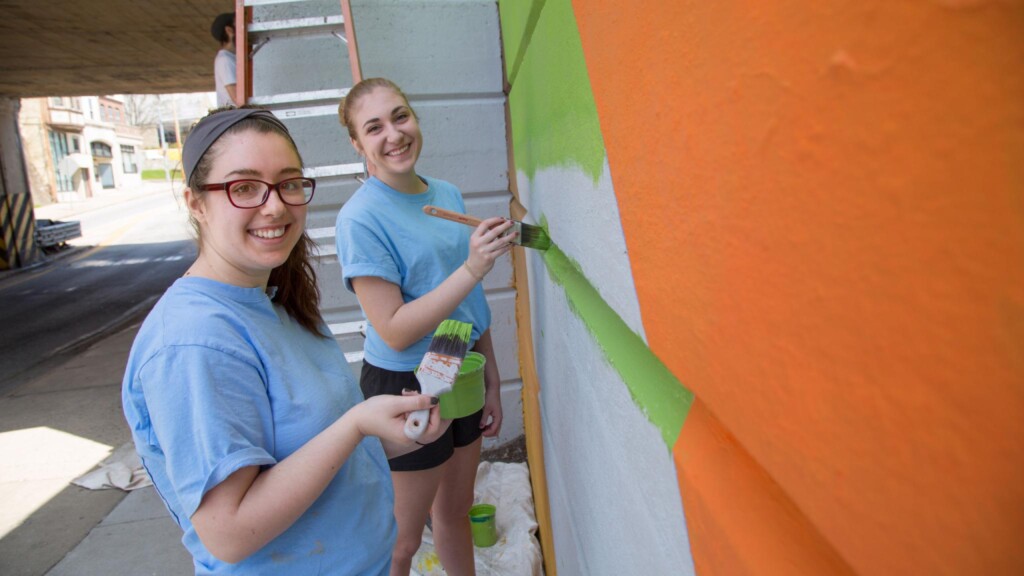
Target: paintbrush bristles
[[451, 338], [439, 368], [534, 237]]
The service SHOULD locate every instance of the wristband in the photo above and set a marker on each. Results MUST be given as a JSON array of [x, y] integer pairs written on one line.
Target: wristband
[[478, 277]]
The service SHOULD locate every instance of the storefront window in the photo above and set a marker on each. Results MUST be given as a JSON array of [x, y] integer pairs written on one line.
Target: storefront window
[[101, 150], [60, 150], [128, 160]]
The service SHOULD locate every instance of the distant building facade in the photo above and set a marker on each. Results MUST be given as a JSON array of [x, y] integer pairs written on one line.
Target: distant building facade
[[76, 147]]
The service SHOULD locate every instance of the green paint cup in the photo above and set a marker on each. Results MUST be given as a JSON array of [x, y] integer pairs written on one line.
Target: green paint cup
[[481, 522], [467, 395]]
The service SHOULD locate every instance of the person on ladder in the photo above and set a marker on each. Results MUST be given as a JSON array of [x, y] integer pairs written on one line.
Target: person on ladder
[[223, 31]]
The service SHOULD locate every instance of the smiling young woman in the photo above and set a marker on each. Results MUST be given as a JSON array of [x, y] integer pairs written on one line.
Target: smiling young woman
[[241, 405], [410, 272]]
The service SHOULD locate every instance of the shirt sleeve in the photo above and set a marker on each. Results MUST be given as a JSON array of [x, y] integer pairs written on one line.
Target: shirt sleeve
[[210, 415], [361, 252]]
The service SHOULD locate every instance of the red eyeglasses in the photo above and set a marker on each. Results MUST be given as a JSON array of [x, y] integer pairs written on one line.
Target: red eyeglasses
[[251, 193]]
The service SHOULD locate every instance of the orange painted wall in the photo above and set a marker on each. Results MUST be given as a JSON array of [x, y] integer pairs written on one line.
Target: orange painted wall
[[824, 208]]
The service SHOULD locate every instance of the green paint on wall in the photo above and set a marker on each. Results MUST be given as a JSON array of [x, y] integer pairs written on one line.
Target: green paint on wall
[[518, 21], [653, 387], [554, 117], [555, 124]]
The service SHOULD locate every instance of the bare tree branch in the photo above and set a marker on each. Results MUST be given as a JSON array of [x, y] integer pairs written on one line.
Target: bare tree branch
[[141, 109]]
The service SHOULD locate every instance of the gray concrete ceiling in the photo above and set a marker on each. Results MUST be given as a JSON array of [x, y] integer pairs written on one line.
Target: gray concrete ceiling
[[91, 47]]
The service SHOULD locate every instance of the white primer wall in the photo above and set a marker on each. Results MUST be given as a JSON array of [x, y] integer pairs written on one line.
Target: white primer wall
[[615, 504]]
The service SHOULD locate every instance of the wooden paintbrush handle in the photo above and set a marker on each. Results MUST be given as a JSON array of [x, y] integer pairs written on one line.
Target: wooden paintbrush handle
[[453, 216]]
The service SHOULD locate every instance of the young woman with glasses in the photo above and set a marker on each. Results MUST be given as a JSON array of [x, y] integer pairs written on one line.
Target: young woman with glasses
[[410, 272], [241, 404]]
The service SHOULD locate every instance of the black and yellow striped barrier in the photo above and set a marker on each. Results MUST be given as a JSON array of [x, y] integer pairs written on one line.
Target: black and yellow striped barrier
[[17, 231]]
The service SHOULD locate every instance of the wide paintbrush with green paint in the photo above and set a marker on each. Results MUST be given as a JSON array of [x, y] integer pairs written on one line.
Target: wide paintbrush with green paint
[[527, 235], [439, 368]]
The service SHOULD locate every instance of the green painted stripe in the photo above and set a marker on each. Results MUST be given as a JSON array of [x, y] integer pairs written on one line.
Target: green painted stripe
[[657, 392], [522, 43]]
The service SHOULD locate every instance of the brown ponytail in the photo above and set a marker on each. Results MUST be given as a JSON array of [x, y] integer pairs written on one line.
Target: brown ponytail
[[297, 289]]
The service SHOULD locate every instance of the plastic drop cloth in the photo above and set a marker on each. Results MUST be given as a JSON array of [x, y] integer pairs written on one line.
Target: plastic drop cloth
[[122, 470], [517, 552]]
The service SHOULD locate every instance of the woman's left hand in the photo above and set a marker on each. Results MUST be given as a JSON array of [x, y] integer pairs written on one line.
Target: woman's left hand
[[490, 422]]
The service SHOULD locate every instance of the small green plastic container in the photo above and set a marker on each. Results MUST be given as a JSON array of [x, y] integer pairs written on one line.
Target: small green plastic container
[[481, 523], [467, 395]]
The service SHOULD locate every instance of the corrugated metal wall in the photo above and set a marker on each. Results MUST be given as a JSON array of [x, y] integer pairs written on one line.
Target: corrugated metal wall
[[446, 56]]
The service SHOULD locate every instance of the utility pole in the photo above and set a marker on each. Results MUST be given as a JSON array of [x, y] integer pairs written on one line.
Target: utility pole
[[177, 126], [160, 131]]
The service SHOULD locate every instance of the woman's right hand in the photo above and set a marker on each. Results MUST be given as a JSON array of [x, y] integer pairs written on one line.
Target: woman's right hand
[[384, 416], [487, 243]]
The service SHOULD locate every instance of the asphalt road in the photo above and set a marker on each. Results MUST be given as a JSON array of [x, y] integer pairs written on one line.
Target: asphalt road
[[129, 254]]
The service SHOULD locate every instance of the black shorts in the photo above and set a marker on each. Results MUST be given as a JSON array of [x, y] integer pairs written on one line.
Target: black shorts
[[464, 431]]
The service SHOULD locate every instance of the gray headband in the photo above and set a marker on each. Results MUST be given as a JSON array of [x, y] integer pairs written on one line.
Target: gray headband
[[212, 127]]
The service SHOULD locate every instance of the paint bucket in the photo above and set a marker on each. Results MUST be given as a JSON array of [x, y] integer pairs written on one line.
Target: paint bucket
[[481, 522], [467, 395]]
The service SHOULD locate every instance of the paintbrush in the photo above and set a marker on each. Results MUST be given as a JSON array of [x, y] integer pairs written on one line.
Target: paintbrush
[[439, 368], [528, 235]]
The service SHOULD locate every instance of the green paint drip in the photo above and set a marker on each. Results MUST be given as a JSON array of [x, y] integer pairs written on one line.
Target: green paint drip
[[653, 387], [553, 113]]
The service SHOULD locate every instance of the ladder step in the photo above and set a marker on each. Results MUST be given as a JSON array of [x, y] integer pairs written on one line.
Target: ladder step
[[333, 170], [308, 112], [300, 97], [325, 249], [318, 233], [348, 328], [270, 2], [297, 26]]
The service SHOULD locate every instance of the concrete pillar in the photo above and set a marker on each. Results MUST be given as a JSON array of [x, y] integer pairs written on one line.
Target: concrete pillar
[[17, 221]]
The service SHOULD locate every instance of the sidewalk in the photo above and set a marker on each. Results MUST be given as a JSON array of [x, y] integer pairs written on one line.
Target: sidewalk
[[55, 428], [61, 423], [103, 198]]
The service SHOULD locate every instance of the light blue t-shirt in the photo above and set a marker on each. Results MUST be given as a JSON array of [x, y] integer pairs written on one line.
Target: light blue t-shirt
[[223, 76], [220, 378], [384, 233]]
